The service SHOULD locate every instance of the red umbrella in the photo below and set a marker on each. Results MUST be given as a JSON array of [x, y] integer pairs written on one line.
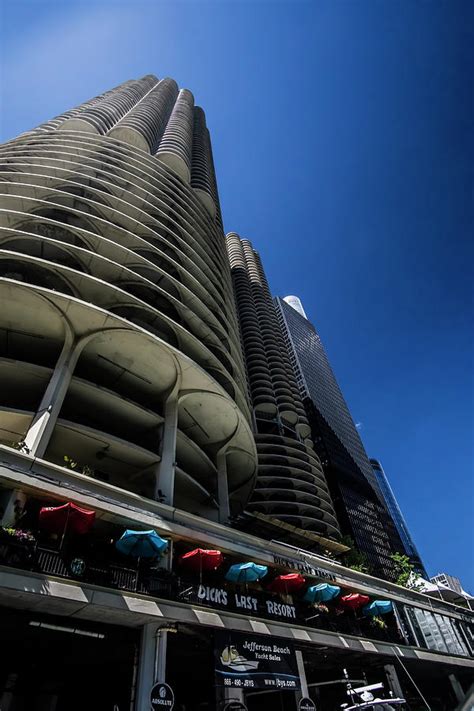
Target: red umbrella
[[201, 559], [287, 583], [57, 519], [354, 600]]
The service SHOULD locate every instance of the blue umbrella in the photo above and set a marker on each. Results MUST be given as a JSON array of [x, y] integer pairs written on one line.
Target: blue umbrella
[[246, 572], [141, 544], [321, 593], [378, 607]]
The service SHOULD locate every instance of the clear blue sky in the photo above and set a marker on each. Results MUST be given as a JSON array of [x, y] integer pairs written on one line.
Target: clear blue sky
[[344, 146]]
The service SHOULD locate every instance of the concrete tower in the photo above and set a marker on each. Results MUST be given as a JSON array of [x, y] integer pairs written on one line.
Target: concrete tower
[[291, 486], [118, 334]]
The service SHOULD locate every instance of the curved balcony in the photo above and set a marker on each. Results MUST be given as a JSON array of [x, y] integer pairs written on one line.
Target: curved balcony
[[290, 484], [176, 145], [96, 211], [116, 361], [99, 116], [100, 218], [147, 182], [164, 317], [144, 125], [202, 165], [106, 254]]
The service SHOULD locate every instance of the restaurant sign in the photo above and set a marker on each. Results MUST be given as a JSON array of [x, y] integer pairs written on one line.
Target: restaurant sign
[[252, 662], [257, 604]]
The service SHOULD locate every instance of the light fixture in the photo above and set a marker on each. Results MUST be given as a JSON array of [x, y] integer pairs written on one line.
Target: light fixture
[[70, 630]]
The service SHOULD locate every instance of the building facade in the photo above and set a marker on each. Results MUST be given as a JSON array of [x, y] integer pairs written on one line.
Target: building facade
[[357, 496], [152, 439], [409, 547], [132, 366], [291, 485], [450, 581]]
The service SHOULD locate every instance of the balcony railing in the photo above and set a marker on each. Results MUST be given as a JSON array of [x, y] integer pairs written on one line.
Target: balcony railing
[[144, 579]]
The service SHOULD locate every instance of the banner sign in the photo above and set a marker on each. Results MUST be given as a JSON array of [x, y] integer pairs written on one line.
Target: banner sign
[[254, 662], [303, 567], [256, 604]]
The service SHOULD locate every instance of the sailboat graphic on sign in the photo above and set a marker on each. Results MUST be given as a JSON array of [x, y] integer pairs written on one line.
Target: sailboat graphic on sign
[[231, 658]]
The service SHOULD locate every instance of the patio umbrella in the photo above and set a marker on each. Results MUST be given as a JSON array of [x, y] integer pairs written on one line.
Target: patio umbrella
[[246, 572], [68, 517], [141, 544], [292, 582], [354, 600], [378, 607], [201, 559], [56, 518], [321, 593]]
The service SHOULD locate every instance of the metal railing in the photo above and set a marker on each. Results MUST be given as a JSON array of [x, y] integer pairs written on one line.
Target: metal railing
[[145, 579]]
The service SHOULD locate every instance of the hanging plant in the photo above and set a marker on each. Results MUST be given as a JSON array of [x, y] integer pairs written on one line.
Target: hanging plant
[[87, 470], [69, 463], [17, 535], [379, 622], [321, 607]]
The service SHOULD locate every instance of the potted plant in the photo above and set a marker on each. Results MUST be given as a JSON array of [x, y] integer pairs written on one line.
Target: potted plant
[[17, 535]]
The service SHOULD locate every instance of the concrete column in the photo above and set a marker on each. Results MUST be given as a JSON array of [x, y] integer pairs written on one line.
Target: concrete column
[[393, 680], [457, 688], [7, 701], [302, 673], [164, 480], [40, 431], [151, 664], [12, 504], [222, 488], [166, 560], [160, 658]]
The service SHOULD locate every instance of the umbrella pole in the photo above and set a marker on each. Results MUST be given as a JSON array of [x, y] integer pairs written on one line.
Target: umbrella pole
[[138, 569], [64, 530]]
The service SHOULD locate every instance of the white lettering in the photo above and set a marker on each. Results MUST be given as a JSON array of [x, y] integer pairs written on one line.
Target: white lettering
[[276, 608], [212, 595]]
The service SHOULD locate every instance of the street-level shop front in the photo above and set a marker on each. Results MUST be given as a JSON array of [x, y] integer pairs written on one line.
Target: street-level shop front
[[107, 649]]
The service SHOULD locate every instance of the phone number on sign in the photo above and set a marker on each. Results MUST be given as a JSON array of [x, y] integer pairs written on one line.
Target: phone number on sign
[[243, 683]]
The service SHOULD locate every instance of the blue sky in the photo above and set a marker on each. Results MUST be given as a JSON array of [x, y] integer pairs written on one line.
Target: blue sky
[[343, 141]]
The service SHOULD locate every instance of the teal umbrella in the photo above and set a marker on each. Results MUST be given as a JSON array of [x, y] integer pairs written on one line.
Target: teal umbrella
[[321, 593], [141, 544], [246, 572], [378, 607]]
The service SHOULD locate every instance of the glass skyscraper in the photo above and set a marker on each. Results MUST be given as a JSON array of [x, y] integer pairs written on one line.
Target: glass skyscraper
[[398, 519], [357, 496]]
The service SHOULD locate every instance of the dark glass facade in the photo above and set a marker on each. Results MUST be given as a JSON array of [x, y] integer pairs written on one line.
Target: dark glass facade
[[357, 497], [398, 519]]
